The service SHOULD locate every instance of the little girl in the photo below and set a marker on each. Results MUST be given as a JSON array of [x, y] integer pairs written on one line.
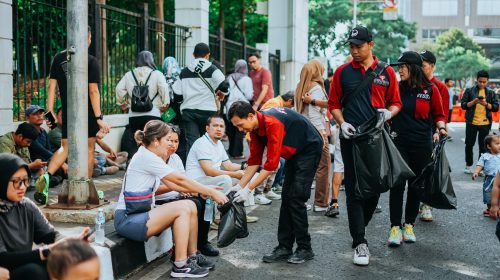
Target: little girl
[[489, 163]]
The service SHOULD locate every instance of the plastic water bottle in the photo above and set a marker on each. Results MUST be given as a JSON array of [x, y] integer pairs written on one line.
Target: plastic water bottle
[[100, 220], [209, 210]]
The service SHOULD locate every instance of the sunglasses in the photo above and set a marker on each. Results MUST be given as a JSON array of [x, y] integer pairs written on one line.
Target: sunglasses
[[16, 182]]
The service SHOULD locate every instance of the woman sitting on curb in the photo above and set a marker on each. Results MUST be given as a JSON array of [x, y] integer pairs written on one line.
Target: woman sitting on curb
[[137, 218], [22, 224]]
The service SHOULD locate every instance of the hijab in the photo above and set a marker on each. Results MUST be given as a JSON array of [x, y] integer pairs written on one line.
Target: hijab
[[171, 68], [9, 164], [310, 76], [145, 58], [240, 70]]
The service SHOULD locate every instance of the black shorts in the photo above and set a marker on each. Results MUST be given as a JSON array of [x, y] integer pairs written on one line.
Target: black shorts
[[92, 130]]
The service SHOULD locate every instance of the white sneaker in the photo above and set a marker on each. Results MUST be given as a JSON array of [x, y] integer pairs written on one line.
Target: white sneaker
[[308, 207], [319, 208], [468, 170], [361, 255], [262, 200], [250, 201], [426, 214], [273, 196]]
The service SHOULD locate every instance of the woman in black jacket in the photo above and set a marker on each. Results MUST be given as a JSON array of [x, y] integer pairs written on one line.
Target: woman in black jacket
[[22, 224]]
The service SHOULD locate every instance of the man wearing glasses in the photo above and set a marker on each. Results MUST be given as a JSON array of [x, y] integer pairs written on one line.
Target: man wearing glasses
[[262, 81]]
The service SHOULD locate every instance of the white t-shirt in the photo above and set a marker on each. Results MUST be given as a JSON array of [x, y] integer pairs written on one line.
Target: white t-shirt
[[144, 172], [175, 162], [204, 149], [316, 114]]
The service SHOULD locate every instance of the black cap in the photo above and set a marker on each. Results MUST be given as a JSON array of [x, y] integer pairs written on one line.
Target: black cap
[[409, 57], [359, 35], [201, 49], [428, 56]]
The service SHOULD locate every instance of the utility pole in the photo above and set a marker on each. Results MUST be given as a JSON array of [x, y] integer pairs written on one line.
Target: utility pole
[[77, 22], [355, 14]]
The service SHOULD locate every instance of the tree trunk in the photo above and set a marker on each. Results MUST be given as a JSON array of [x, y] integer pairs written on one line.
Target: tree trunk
[[104, 59], [243, 30], [160, 43]]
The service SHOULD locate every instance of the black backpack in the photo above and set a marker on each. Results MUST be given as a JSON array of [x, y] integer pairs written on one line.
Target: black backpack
[[140, 96]]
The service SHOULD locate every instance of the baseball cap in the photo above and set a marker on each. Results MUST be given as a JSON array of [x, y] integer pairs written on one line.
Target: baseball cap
[[33, 109], [359, 35], [409, 57], [201, 49], [428, 56]]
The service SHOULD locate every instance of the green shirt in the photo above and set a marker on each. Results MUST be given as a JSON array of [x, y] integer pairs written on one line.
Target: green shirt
[[55, 136], [8, 145]]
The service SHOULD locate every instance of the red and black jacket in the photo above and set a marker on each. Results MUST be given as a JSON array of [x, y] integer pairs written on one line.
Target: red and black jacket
[[285, 133], [422, 108], [383, 92], [445, 95]]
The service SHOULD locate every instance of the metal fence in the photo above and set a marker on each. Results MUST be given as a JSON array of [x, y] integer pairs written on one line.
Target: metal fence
[[39, 28], [231, 51]]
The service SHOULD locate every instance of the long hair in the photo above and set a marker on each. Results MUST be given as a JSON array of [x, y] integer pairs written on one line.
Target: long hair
[[310, 75], [416, 77]]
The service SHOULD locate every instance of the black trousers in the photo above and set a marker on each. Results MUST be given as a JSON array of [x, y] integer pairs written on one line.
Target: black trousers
[[359, 212], [194, 124], [416, 158], [128, 143], [29, 271], [471, 132], [203, 226], [299, 175], [235, 139]]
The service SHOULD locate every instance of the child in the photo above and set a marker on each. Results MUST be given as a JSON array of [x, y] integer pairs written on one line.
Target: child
[[489, 163], [495, 197]]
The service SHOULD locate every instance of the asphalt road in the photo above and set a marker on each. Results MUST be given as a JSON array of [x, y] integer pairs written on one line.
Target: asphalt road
[[459, 244]]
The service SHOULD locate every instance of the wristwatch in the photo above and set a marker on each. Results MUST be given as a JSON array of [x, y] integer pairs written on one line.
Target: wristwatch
[[101, 117]]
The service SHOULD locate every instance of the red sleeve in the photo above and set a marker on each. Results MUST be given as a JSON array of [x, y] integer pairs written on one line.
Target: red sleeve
[[275, 132], [393, 98], [336, 93], [445, 98], [436, 105], [256, 150], [266, 78]]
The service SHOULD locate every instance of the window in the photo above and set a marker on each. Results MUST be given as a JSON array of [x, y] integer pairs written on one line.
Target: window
[[487, 32], [488, 8], [439, 7], [431, 34]]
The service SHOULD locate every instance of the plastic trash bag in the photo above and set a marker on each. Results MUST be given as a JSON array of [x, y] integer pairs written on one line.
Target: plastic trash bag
[[434, 183], [378, 164], [233, 222]]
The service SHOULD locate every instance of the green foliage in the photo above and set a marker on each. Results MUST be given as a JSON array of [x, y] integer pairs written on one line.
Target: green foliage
[[459, 57], [256, 25], [324, 16]]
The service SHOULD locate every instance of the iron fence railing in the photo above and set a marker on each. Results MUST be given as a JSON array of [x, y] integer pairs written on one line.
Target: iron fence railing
[[39, 28]]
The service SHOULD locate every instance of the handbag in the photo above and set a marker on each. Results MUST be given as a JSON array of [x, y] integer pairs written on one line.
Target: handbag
[[137, 202]]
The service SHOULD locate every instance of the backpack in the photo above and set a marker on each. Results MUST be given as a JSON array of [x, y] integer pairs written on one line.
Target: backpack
[[140, 96]]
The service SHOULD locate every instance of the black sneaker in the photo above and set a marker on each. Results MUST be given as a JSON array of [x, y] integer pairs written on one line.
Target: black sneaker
[[202, 261], [278, 254], [209, 250], [332, 211], [190, 270], [301, 256]]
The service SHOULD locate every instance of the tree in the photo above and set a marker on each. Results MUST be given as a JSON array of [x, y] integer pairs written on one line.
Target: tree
[[459, 57]]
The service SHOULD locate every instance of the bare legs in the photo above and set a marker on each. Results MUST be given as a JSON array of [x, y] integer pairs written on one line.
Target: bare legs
[[336, 182]]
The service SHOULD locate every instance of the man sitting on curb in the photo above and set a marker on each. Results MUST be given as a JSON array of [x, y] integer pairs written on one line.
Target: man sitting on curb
[[17, 143]]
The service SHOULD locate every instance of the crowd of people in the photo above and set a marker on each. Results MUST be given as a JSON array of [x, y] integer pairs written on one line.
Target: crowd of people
[[176, 166]]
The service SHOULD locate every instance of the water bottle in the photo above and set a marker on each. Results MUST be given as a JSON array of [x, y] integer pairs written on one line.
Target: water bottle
[[100, 219], [209, 210]]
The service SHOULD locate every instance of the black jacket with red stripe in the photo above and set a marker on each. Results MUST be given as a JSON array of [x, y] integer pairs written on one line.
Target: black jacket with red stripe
[[382, 93], [422, 108], [285, 133]]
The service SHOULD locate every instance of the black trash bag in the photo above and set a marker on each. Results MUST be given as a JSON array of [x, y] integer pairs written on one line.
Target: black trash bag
[[378, 164], [434, 183], [233, 222]]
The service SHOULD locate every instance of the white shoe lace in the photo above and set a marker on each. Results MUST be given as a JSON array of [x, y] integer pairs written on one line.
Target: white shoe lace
[[362, 251]]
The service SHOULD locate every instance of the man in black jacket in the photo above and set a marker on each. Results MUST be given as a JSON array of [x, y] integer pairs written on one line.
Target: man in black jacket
[[478, 101]]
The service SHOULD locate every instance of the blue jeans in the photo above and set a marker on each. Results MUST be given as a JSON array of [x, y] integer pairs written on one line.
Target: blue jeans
[[487, 187]]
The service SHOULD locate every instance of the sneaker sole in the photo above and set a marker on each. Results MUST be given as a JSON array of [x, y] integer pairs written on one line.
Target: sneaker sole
[[301, 261], [281, 259], [410, 241], [426, 219], [260, 203], [361, 264], [187, 275]]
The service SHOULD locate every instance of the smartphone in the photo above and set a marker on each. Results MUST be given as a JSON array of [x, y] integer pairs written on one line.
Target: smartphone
[[480, 97], [92, 230], [51, 119]]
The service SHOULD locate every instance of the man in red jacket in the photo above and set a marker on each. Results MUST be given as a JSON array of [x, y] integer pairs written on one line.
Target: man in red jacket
[[289, 135]]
